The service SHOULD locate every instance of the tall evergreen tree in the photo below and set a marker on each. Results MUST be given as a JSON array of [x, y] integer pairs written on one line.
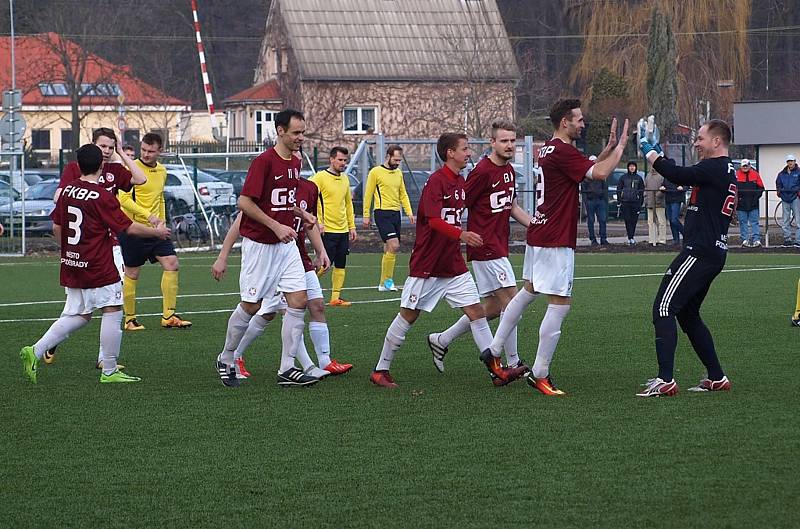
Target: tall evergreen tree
[[662, 73]]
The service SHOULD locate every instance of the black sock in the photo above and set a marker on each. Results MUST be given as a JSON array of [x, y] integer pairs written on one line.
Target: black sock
[[666, 342], [703, 345]]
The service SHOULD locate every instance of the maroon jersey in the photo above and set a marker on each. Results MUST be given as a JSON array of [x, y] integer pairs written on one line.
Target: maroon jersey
[[555, 223], [88, 216], [490, 196], [272, 183], [307, 194], [434, 254], [114, 177]]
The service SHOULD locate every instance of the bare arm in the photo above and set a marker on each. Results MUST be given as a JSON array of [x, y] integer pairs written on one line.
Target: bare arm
[[251, 209], [603, 168], [140, 230], [520, 215], [57, 233], [220, 266], [321, 261], [137, 175]]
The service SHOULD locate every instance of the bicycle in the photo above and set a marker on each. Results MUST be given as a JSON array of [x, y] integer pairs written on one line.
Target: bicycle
[[778, 216], [189, 231]]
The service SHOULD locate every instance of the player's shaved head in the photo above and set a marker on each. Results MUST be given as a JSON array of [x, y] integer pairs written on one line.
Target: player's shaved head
[[89, 158], [719, 129]]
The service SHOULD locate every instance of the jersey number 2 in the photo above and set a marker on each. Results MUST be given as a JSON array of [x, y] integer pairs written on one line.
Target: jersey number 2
[[730, 200], [74, 225]]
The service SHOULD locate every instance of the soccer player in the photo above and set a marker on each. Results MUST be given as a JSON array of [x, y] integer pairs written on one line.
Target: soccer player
[[145, 205], [129, 150], [437, 269], [270, 258], [689, 276], [335, 215], [491, 203], [550, 252], [795, 317], [307, 194], [114, 176], [385, 186], [84, 220]]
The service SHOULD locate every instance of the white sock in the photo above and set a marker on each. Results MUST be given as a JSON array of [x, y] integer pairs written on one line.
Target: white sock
[[291, 334], [255, 328], [448, 336], [237, 325], [395, 336], [320, 337], [58, 332], [511, 316], [481, 333], [302, 354], [110, 340], [549, 333], [510, 347]]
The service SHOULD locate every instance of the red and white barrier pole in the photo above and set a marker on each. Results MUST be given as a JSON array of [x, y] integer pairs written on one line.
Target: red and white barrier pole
[[206, 83]]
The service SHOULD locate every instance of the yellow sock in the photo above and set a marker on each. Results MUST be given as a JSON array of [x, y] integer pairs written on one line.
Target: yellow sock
[[129, 298], [387, 266], [797, 308], [337, 282], [169, 292]]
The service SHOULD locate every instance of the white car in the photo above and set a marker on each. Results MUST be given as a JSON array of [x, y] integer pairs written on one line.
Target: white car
[[180, 196]]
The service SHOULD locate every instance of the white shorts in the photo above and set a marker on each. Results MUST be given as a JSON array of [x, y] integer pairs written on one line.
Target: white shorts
[[493, 275], [86, 300], [117, 252], [272, 305], [550, 270], [423, 294], [268, 269]]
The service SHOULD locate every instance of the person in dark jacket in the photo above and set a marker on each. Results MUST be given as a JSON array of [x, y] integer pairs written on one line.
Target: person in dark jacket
[[788, 185], [630, 194], [674, 196], [595, 199], [750, 189]]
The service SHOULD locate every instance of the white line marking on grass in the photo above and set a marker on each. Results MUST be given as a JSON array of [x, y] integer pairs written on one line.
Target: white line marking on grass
[[386, 300]]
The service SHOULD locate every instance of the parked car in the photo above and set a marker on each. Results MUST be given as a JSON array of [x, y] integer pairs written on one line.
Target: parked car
[[235, 178], [179, 195], [32, 176], [38, 206], [8, 194]]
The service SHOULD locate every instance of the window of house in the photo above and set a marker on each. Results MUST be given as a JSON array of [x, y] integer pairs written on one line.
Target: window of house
[[100, 89], [53, 89], [66, 139], [358, 120], [40, 139], [264, 121]]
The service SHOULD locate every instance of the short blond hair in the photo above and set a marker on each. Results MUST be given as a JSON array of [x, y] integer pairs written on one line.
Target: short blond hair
[[503, 124]]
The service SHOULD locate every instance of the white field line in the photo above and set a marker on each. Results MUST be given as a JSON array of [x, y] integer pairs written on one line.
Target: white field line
[[386, 300]]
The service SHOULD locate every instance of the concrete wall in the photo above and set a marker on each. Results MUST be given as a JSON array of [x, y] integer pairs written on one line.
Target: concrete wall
[[771, 160]]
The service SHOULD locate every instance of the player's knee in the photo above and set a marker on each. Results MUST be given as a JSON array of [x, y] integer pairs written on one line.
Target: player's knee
[[689, 320], [250, 308], [132, 272], [474, 312], [316, 309], [268, 317]]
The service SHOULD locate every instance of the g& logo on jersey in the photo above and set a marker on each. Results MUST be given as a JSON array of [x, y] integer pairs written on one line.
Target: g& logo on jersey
[[282, 199]]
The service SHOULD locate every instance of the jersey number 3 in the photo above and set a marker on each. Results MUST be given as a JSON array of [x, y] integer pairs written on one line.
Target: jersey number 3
[[730, 200], [74, 225]]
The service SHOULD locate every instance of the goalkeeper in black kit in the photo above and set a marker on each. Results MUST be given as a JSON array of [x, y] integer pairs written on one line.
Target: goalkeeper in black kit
[[688, 278]]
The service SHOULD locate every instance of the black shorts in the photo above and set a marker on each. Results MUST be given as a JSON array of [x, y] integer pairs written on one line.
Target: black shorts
[[685, 286], [137, 250], [337, 246], [388, 223]]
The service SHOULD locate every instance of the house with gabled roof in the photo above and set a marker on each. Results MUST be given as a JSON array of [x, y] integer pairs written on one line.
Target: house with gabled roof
[[106, 89], [404, 68]]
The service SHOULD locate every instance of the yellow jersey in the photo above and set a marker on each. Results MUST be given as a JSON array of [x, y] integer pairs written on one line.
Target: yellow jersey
[[386, 188], [146, 199], [335, 204]]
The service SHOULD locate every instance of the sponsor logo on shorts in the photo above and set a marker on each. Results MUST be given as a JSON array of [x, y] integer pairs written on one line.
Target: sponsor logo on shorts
[[501, 276], [412, 298], [251, 291]]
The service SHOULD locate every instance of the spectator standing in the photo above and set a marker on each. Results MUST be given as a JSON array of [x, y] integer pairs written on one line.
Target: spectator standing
[[630, 194], [788, 185], [595, 199], [674, 196], [750, 189], [656, 208]]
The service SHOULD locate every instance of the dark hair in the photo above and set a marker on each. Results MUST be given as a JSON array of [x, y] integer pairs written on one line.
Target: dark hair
[[128, 147], [90, 158], [103, 131], [283, 118], [717, 127], [631, 162], [563, 109], [503, 124], [391, 149], [339, 149], [151, 138], [448, 141]]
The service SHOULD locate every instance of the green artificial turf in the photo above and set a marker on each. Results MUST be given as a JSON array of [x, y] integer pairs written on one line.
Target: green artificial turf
[[443, 450]]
